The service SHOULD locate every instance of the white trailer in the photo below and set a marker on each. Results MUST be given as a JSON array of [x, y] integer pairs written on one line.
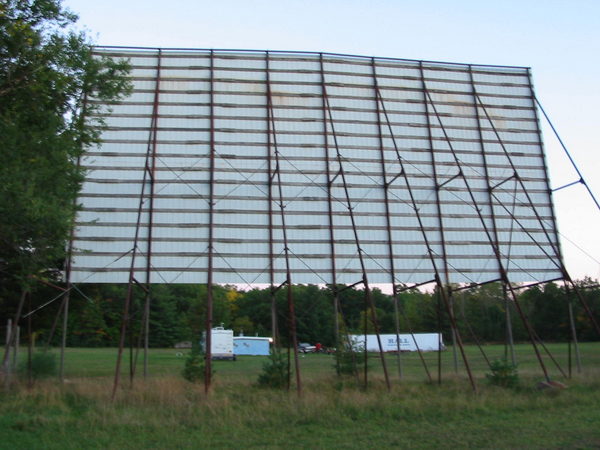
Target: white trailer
[[426, 342], [221, 343]]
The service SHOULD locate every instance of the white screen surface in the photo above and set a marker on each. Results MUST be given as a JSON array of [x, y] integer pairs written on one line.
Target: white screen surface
[[441, 164]]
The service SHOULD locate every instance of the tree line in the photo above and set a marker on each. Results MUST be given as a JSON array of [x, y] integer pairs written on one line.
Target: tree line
[[177, 313]]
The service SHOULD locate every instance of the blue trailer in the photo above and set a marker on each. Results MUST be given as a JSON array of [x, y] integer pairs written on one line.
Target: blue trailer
[[251, 345]]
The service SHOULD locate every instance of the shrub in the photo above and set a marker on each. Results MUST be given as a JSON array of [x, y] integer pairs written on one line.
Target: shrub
[[275, 370], [504, 374], [348, 361], [194, 369], [43, 365]]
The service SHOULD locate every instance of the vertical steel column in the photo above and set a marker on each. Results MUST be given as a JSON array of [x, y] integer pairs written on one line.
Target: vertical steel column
[[16, 346], [491, 202], [65, 307], [211, 208], [274, 327], [519, 181], [365, 281], [444, 288], [336, 300], [388, 220], [404, 175], [555, 247], [125, 319], [152, 169], [573, 333], [6, 369], [290, 296], [67, 297], [509, 330], [127, 304], [496, 250]]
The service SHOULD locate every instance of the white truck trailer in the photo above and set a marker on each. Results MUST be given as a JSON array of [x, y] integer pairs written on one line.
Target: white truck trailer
[[426, 342], [221, 343]]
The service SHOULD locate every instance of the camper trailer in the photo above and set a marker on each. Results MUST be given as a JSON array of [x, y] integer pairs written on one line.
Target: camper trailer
[[221, 343]]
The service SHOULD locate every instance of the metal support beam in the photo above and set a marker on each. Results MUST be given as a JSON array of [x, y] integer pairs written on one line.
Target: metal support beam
[[211, 207], [288, 271], [564, 147], [380, 109], [553, 244], [271, 175], [151, 160], [557, 257], [337, 307], [147, 179], [573, 333], [6, 366], [490, 199], [368, 297], [445, 288], [495, 248]]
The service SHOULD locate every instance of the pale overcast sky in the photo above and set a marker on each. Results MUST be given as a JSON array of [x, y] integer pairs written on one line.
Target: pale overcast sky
[[559, 40]]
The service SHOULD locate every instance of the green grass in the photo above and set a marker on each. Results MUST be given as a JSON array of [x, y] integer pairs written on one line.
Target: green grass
[[100, 362], [167, 412]]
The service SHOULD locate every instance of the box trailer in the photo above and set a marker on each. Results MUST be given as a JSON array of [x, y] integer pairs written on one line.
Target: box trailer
[[221, 343], [251, 345], [426, 342]]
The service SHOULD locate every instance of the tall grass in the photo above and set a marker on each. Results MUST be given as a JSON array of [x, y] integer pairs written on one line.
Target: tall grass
[[165, 411]]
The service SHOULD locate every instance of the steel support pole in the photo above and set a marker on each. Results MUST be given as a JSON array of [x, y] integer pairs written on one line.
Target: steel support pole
[[564, 147], [510, 345], [574, 339], [495, 249], [16, 347], [404, 176], [336, 299], [152, 153], [270, 175], [555, 246], [519, 181], [211, 203], [13, 333], [583, 302], [573, 332], [63, 341], [444, 287], [388, 220], [290, 295], [488, 185], [365, 281], [125, 322]]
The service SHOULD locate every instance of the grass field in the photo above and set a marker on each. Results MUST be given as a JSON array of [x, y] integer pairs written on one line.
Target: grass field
[[165, 411]]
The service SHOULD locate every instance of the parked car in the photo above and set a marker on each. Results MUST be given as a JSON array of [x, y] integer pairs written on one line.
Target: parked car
[[306, 348]]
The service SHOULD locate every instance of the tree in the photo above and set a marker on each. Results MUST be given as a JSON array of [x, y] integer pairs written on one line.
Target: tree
[[48, 75]]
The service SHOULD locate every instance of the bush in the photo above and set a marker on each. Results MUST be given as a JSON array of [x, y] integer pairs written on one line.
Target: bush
[[195, 365], [348, 361], [43, 365], [504, 374], [275, 371]]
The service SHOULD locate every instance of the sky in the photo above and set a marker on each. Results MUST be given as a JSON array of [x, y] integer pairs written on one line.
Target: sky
[[559, 40]]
